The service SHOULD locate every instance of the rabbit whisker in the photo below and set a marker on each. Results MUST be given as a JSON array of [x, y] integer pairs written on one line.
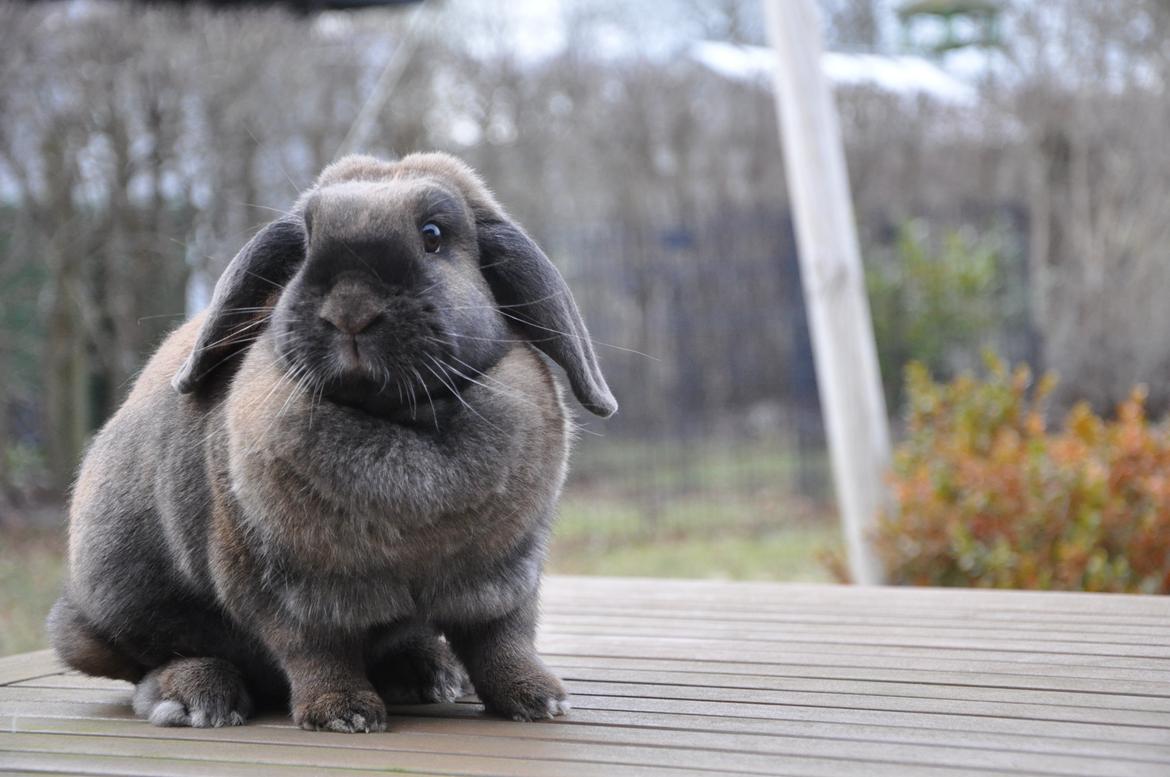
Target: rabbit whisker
[[501, 340], [530, 303], [422, 384], [266, 280], [140, 319], [300, 373], [226, 359], [286, 375], [533, 324], [509, 391], [410, 398], [316, 399], [294, 390], [454, 389], [236, 332], [285, 378], [268, 207], [512, 392], [430, 401], [249, 309]]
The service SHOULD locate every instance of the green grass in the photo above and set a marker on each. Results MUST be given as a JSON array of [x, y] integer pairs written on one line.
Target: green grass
[[32, 566], [790, 554], [632, 467], [589, 519], [761, 534]]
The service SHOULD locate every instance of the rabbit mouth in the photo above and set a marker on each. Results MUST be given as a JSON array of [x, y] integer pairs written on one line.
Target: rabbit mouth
[[349, 356], [375, 372], [405, 393]]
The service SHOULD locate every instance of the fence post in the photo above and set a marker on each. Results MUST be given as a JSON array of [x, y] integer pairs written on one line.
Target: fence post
[[834, 283]]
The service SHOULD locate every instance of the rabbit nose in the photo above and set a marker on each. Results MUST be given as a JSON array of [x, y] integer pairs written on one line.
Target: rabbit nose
[[350, 323], [350, 308]]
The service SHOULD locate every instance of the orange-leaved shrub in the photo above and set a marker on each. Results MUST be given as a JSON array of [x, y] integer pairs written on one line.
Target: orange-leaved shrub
[[986, 495]]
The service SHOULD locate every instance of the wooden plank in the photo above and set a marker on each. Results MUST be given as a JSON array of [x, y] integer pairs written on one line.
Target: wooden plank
[[667, 731], [779, 596], [13, 693], [690, 623], [812, 616], [730, 675], [731, 685], [733, 676], [682, 590], [22, 667], [1029, 647], [1036, 671], [681, 754], [74, 680], [336, 749], [1058, 641], [1014, 673], [954, 718], [744, 715], [43, 763], [890, 615], [786, 688], [66, 689], [651, 643], [750, 702], [355, 758], [753, 688], [1019, 660]]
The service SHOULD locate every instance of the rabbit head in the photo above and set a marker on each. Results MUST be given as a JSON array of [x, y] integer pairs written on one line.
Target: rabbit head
[[382, 271]]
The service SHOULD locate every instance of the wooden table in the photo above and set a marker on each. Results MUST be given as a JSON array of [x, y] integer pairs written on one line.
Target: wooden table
[[674, 677]]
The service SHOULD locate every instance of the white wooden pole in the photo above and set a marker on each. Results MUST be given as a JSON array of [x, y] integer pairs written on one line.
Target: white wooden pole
[[834, 283]]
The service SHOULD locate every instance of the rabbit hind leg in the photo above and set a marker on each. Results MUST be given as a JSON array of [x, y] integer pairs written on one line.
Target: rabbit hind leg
[[197, 692], [83, 647]]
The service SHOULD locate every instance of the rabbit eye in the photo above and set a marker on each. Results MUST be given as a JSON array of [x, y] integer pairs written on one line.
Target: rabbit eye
[[432, 238]]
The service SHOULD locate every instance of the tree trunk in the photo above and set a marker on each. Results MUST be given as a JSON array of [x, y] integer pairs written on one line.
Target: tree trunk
[[66, 381]]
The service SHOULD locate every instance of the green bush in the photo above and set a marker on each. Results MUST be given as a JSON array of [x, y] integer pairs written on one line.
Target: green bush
[[939, 300], [986, 495]]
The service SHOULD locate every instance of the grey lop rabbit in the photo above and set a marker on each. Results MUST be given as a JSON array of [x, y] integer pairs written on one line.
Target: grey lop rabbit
[[334, 488]]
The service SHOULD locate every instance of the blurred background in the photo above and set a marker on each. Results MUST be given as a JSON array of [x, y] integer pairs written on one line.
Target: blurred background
[[1011, 178]]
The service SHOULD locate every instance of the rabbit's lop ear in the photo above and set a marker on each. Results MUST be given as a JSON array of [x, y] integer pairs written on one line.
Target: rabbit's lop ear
[[532, 293], [261, 268]]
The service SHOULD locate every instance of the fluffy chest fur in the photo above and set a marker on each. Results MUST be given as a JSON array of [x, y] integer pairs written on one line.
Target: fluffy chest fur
[[355, 520]]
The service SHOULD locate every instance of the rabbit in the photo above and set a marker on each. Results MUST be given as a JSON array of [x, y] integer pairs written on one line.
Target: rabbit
[[333, 490]]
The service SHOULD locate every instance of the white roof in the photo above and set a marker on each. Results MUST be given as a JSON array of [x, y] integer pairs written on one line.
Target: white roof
[[904, 75]]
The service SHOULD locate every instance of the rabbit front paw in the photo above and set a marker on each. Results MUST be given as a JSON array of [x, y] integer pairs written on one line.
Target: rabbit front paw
[[533, 696], [422, 672], [195, 692], [348, 712]]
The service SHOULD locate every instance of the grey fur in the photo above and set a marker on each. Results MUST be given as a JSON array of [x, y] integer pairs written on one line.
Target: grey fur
[[363, 453]]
